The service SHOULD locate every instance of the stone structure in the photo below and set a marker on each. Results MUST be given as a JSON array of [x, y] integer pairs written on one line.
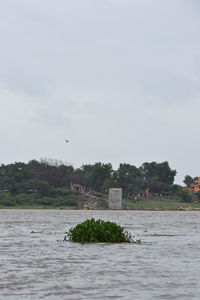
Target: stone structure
[[77, 188], [115, 198]]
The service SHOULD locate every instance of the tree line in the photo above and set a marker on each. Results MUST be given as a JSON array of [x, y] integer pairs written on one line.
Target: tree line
[[48, 181], [46, 176]]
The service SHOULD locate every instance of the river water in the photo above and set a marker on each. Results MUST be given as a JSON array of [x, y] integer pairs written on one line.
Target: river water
[[35, 262]]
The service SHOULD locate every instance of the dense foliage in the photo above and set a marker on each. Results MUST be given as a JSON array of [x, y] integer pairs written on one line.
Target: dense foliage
[[158, 177], [47, 182], [46, 175], [98, 231], [186, 195]]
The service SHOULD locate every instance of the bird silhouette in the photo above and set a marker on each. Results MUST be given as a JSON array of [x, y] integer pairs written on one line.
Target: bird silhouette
[[67, 141]]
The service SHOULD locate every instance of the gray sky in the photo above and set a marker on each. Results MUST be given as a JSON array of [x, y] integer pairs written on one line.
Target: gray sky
[[119, 78]]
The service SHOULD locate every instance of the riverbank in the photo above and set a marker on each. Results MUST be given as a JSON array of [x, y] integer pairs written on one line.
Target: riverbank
[[161, 204], [19, 206], [143, 204]]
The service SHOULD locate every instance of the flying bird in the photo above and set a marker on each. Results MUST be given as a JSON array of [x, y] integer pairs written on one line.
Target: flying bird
[[67, 141]]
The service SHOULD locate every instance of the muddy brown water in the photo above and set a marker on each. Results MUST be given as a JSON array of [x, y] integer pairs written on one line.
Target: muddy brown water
[[35, 262]]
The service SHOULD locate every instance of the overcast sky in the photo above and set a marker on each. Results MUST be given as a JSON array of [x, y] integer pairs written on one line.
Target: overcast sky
[[119, 78]]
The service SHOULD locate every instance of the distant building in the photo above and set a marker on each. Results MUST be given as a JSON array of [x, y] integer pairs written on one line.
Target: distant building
[[77, 187], [195, 188], [115, 198]]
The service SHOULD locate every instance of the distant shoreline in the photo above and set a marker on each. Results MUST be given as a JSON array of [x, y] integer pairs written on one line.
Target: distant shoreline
[[147, 204], [82, 209]]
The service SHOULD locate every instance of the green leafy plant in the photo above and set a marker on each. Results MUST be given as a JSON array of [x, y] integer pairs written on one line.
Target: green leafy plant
[[98, 231]]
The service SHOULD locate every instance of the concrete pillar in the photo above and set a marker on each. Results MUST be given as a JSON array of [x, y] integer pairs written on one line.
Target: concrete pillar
[[115, 198]]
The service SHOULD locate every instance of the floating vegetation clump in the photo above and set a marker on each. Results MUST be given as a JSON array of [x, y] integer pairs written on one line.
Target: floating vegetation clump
[[98, 231]]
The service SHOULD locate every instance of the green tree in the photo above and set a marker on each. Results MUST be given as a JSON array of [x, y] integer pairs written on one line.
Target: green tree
[[176, 189], [38, 186], [57, 174], [95, 175], [13, 176], [158, 177], [129, 178], [188, 180], [186, 195]]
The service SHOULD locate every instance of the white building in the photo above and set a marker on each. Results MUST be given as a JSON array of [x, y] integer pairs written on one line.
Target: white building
[[115, 198]]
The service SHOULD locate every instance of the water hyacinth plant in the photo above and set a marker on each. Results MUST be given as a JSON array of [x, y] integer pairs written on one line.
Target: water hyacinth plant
[[98, 231]]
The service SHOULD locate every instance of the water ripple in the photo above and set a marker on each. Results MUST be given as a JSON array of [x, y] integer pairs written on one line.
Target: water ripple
[[37, 264]]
